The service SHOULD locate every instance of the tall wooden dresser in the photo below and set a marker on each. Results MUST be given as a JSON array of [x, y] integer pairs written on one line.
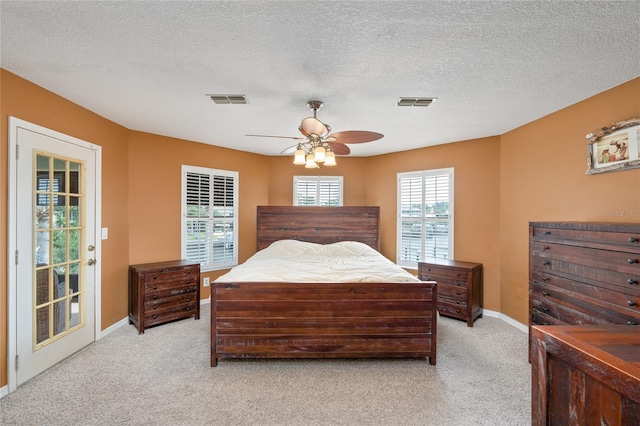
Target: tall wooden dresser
[[584, 273], [162, 292], [459, 287]]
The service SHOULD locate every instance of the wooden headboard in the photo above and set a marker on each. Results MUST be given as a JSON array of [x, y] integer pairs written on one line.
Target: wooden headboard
[[323, 225]]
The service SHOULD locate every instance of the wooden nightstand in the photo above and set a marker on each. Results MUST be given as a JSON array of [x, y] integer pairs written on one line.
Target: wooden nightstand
[[162, 292], [459, 287]]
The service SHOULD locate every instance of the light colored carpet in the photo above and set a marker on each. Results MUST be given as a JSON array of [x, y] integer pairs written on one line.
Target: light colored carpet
[[163, 378]]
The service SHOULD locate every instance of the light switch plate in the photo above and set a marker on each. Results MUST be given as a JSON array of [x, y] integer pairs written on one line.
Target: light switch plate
[[105, 233]]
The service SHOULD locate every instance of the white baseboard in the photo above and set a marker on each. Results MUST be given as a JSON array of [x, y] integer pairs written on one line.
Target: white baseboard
[[113, 327], [517, 324], [4, 391]]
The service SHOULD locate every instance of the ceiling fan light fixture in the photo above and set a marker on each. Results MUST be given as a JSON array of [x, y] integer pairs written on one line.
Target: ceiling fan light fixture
[[319, 153], [330, 159], [311, 162], [299, 156]]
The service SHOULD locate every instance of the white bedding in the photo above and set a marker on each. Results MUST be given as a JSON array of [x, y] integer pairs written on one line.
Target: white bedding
[[296, 261]]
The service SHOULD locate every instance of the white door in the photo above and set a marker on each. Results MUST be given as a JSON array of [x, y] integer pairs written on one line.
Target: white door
[[56, 254]]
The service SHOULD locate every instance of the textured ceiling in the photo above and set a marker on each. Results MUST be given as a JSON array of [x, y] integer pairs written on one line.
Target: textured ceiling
[[493, 65]]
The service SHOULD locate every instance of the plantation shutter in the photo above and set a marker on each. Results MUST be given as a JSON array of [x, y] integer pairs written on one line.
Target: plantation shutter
[[210, 217], [317, 190], [425, 219]]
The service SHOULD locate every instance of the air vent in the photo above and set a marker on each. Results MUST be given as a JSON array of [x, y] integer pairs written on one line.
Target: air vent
[[228, 99], [419, 102]]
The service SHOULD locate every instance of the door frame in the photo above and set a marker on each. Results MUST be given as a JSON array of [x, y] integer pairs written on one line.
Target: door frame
[[12, 332]]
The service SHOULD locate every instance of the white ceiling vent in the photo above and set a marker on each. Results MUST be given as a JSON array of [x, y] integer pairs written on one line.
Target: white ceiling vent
[[228, 99], [419, 102]]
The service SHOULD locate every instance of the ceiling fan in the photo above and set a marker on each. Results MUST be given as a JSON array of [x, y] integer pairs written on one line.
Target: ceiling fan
[[317, 145]]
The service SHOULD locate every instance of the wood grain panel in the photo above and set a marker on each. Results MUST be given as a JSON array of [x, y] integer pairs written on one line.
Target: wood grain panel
[[322, 225], [586, 375], [308, 320]]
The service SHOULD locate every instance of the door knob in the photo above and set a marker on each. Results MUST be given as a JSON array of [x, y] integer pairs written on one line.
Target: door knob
[[91, 261], [91, 248]]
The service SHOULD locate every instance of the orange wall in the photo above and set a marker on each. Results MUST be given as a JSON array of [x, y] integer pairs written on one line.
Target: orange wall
[[476, 203], [155, 172], [352, 169], [24, 100], [542, 178]]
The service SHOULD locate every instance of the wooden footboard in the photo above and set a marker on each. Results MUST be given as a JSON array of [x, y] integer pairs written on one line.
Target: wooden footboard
[[323, 320]]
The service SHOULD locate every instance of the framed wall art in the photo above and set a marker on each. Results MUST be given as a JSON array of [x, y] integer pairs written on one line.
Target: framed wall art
[[614, 148]]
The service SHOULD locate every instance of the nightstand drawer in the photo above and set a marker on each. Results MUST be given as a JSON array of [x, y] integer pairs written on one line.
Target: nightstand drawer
[[170, 275], [449, 273], [453, 295]]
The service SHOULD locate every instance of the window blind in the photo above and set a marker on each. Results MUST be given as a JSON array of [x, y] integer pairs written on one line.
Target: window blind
[[425, 218], [210, 217], [317, 190]]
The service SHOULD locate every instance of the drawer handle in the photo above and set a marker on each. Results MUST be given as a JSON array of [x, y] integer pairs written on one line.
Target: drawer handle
[[633, 240], [545, 279], [545, 247], [155, 297], [546, 233], [458, 274], [155, 287], [545, 309], [189, 271], [458, 284], [631, 323], [155, 306], [155, 276], [631, 281], [155, 316], [188, 299], [458, 302], [546, 263], [188, 308], [632, 261], [458, 293], [188, 281], [631, 303], [545, 293], [457, 311]]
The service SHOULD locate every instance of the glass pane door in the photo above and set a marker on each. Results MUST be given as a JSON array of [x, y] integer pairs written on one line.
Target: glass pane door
[[59, 235]]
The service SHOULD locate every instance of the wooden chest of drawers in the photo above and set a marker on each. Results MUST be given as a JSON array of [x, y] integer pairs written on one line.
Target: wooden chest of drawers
[[162, 292], [459, 287], [584, 273]]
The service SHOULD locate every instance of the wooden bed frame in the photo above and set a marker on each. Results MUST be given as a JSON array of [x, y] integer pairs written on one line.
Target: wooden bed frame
[[322, 320]]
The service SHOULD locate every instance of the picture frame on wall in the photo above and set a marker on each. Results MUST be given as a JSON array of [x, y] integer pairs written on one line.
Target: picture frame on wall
[[614, 148]]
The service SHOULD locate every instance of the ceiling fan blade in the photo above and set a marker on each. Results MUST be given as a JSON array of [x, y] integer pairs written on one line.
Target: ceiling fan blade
[[339, 148], [290, 150], [355, 136], [278, 137]]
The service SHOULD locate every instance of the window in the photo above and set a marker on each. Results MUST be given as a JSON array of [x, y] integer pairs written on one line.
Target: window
[[210, 217], [425, 216], [317, 191]]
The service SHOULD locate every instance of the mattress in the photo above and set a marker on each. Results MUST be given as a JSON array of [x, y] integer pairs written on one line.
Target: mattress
[[297, 261]]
